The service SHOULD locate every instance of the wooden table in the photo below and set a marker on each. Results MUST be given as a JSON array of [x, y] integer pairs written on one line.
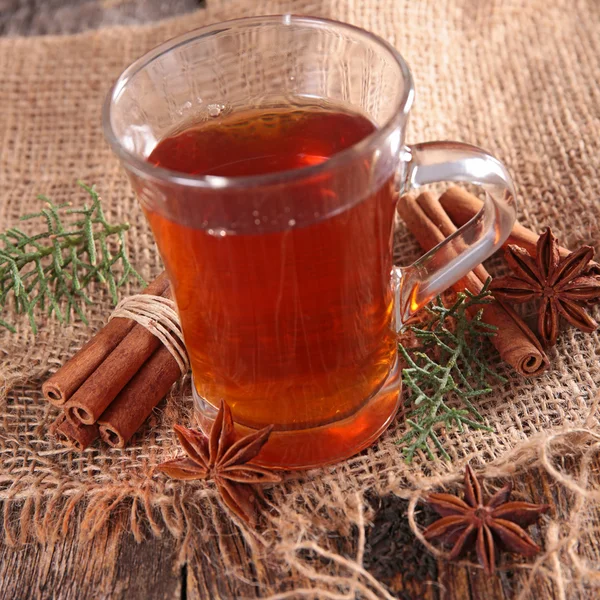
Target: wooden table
[[59, 17], [106, 568]]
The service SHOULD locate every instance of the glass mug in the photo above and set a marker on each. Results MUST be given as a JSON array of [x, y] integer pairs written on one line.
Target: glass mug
[[284, 281]]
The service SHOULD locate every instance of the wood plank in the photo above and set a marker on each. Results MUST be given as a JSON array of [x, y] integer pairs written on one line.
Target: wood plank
[[102, 568], [56, 17], [219, 565]]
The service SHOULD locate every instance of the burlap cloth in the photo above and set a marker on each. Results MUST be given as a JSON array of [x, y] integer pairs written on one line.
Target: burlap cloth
[[515, 76]]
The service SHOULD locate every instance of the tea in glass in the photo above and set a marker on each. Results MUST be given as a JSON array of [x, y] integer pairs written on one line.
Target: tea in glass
[[289, 322]]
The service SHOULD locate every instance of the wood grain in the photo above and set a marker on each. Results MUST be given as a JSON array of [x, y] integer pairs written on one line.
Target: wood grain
[[109, 569], [100, 569]]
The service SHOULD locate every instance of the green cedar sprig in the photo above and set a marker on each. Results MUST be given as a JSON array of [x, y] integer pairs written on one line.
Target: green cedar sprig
[[50, 271], [442, 391]]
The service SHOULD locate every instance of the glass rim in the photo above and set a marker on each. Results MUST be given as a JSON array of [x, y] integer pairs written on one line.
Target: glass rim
[[144, 169]]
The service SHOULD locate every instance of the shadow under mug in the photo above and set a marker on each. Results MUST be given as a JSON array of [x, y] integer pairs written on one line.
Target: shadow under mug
[[290, 309]]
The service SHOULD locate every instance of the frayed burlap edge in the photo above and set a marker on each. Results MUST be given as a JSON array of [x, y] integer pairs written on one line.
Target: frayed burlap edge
[[560, 561], [286, 539]]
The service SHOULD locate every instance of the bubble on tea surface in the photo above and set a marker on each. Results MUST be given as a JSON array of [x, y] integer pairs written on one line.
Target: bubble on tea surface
[[215, 110], [218, 232]]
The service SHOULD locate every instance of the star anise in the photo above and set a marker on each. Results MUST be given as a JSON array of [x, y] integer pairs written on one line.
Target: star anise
[[489, 525], [562, 285], [224, 460]]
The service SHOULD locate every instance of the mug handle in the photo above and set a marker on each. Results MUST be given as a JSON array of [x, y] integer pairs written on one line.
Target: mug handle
[[452, 259]]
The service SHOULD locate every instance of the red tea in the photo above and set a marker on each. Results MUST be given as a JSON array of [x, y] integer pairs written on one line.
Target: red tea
[[283, 290]]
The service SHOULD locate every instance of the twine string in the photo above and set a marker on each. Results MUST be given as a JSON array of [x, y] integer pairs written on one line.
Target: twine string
[[159, 317]]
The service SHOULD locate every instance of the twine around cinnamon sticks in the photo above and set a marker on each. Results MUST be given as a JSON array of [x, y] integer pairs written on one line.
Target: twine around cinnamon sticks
[[109, 388]]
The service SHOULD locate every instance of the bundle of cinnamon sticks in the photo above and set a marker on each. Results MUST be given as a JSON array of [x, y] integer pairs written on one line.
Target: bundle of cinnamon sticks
[[109, 388], [431, 220]]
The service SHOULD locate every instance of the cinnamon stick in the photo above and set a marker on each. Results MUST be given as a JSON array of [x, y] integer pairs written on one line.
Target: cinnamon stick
[[78, 436], [65, 382], [518, 345], [461, 206], [135, 402], [102, 386], [515, 342]]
